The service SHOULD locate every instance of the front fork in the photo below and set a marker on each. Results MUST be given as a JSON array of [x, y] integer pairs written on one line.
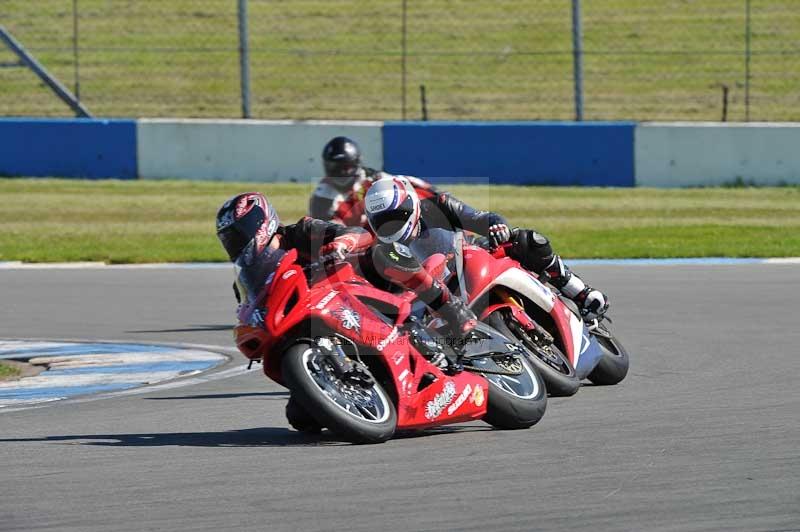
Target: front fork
[[517, 309], [344, 367]]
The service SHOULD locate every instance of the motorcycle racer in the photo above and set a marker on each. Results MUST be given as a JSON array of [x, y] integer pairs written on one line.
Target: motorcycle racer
[[249, 229], [402, 219], [339, 195]]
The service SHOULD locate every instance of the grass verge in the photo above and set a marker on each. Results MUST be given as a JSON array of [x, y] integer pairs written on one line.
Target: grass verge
[[479, 59], [50, 220], [8, 372]]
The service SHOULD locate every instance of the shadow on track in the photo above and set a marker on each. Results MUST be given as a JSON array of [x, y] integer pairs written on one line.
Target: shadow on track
[[189, 328], [221, 396], [257, 437]]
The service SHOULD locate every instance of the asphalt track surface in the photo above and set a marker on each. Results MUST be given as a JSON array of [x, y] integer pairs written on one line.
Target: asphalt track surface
[[704, 434]]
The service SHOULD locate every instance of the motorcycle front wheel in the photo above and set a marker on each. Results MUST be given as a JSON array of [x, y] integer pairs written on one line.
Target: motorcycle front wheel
[[356, 412], [558, 374], [613, 366], [300, 419]]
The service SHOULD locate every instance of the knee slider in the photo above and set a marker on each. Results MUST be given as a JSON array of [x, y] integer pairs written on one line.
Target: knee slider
[[395, 263]]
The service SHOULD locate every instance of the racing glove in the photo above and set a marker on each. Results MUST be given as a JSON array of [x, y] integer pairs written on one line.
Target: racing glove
[[333, 252], [499, 233]]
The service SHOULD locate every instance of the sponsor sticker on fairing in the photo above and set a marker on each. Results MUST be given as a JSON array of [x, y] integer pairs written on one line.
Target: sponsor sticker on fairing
[[405, 373], [460, 400], [477, 396], [325, 300], [398, 358], [436, 406], [351, 320], [389, 339]]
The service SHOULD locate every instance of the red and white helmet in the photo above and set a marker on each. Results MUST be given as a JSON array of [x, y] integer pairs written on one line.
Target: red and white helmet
[[393, 209]]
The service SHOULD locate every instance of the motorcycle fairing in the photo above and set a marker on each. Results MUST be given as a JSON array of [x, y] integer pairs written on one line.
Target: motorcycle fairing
[[484, 272], [448, 399], [581, 347]]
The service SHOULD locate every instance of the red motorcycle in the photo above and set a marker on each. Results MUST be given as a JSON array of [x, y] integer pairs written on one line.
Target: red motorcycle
[[513, 301], [360, 361]]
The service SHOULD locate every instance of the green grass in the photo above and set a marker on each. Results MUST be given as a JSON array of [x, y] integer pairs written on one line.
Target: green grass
[[479, 59], [8, 372], [47, 220]]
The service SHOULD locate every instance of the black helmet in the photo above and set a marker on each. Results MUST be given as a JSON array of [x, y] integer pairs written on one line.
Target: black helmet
[[245, 219], [341, 158]]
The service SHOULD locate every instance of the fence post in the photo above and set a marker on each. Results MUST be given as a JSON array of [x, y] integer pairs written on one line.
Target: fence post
[[747, 56], [577, 58], [244, 59], [75, 56], [403, 65]]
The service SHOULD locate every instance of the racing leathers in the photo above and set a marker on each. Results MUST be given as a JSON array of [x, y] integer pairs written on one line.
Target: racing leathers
[[331, 193], [530, 248], [443, 213], [344, 204], [442, 210], [314, 240], [400, 264]]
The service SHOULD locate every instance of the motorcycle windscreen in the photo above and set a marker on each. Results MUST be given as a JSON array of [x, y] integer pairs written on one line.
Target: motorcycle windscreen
[[254, 274]]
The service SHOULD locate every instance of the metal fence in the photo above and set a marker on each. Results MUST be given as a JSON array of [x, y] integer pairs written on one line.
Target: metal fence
[[409, 59]]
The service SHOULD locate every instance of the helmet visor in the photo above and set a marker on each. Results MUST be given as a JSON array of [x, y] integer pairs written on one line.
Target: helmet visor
[[238, 234], [233, 240], [254, 276], [342, 168], [390, 222]]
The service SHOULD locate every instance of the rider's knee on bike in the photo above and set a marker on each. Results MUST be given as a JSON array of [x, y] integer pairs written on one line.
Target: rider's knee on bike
[[534, 252]]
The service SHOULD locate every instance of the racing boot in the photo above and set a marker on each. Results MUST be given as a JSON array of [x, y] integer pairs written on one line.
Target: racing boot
[[591, 302], [460, 319]]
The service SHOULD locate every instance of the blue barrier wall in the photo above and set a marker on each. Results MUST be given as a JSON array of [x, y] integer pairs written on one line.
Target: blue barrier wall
[[526, 153], [68, 148]]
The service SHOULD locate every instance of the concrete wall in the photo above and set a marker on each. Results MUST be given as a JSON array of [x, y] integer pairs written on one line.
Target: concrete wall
[[68, 148], [246, 150], [710, 154], [521, 153], [556, 153]]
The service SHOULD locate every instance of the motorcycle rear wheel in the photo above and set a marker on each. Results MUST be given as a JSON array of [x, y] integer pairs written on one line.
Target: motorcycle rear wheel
[[554, 367], [613, 366], [357, 414], [509, 407]]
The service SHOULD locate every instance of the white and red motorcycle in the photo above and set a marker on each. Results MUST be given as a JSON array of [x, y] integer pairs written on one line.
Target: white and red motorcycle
[[511, 299]]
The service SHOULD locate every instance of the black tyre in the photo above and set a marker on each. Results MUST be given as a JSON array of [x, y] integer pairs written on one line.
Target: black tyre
[[299, 418], [358, 414], [613, 366], [516, 402], [554, 367]]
